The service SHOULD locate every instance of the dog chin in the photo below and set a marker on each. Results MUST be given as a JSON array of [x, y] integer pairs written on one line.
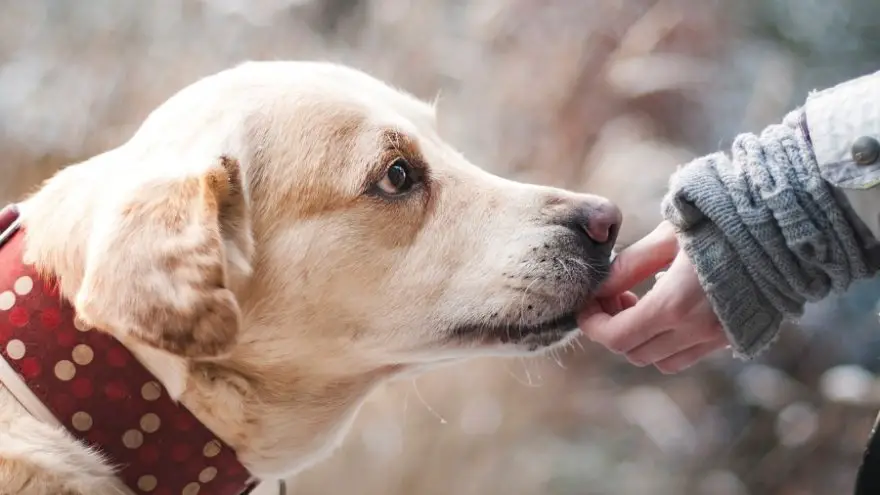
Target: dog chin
[[542, 342]]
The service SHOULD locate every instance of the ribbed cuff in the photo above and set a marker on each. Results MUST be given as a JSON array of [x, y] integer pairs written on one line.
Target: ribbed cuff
[[749, 319]]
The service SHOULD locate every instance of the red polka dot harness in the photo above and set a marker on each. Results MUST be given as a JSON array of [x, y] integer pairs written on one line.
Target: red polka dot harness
[[96, 389]]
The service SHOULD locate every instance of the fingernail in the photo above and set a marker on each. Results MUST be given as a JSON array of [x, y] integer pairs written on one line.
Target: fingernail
[[639, 363]]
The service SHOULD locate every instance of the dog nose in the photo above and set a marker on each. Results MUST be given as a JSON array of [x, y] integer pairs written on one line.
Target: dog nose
[[595, 220], [603, 222]]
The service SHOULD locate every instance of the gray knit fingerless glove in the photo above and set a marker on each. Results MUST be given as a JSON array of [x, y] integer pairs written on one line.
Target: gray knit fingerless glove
[[764, 231]]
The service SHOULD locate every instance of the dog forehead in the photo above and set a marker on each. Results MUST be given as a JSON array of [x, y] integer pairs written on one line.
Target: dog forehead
[[343, 87], [281, 97]]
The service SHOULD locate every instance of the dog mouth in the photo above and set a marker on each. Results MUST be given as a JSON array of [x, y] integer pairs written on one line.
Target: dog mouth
[[533, 336], [547, 313]]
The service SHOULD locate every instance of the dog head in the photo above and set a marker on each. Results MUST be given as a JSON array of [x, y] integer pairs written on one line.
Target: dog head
[[284, 221]]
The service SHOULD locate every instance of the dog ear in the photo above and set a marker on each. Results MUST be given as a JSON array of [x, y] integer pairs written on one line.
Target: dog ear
[[159, 266]]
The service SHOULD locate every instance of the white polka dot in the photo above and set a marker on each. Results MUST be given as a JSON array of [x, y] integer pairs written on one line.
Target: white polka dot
[[80, 325], [7, 300], [151, 391], [15, 349], [208, 474], [211, 448], [132, 439], [23, 286], [191, 489], [150, 423], [147, 483], [82, 354], [65, 370], [82, 421]]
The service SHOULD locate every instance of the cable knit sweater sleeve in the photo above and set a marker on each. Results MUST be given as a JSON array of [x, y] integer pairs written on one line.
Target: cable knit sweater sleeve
[[770, 226]]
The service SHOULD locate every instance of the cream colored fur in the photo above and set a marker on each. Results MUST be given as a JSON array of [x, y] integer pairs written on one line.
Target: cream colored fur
[[244, 211]]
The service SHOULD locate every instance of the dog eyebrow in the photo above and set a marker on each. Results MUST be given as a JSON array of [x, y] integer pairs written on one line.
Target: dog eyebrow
[[400, 142], [393, 144]]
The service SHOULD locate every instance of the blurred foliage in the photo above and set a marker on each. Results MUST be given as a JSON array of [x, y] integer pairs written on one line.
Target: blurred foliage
[[607, 96]]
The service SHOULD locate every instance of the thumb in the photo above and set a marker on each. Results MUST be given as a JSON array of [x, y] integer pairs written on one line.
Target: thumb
[[641, 260]]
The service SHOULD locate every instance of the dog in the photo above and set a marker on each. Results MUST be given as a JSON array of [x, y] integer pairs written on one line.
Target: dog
[[278, 239]]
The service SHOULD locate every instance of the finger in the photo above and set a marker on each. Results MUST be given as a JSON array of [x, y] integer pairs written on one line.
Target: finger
[[616, 304], [623, 332], [628, 300], [611, 305], [688, 357], [642, 259], [592, 307], [669, 343]]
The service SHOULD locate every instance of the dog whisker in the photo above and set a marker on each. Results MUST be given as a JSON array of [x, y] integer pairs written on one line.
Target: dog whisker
[[539, 378], [565, 271], [427, 406], [555, 356], [519, 380], [405, 405]]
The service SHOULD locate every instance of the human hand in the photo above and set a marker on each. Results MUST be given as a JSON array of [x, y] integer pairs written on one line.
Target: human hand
[[673, 326]]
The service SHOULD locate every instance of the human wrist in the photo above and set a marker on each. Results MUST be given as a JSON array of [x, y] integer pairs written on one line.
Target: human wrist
[[764, 231]]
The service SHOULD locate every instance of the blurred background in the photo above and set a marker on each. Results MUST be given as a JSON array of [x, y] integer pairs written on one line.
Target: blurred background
[[606, 96]]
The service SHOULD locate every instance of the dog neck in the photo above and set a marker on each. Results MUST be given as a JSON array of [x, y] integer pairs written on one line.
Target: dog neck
[[279, 420]]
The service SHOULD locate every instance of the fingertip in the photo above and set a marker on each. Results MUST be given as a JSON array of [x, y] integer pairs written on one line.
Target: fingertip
[[638, 363], [590, 322], [641, 260], [611, 305], [618, 281], [664, 371], [628, 299]]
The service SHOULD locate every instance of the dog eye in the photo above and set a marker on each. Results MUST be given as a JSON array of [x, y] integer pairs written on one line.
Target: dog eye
[[399, 178]]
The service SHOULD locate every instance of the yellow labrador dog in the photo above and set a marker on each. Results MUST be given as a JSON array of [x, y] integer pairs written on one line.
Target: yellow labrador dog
[[279, 238]]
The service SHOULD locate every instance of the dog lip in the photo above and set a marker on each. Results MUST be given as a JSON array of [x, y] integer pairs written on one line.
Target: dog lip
[[555, 328]]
